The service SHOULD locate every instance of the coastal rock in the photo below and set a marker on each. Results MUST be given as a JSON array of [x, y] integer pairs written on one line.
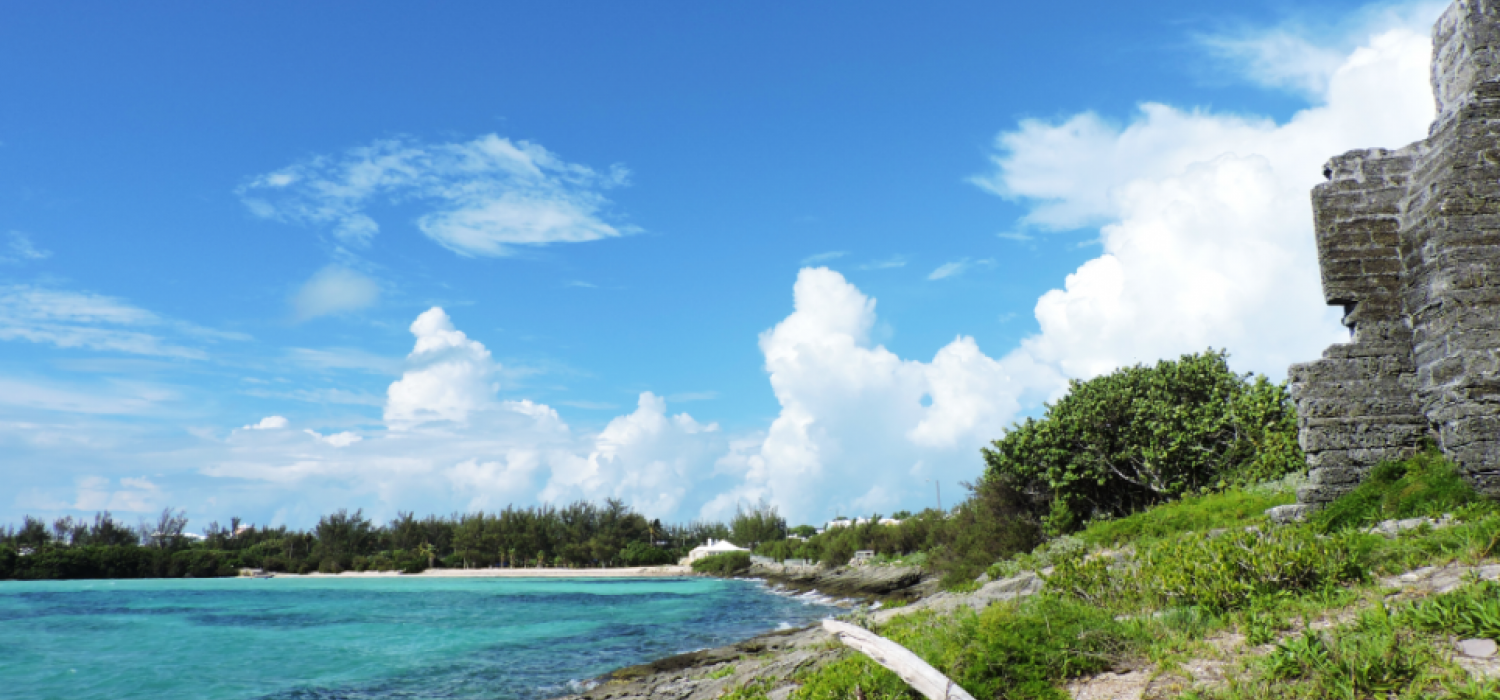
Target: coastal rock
[[1409, 245], [1477, 648], [1391, 529], [1441, 579], [1021, 585], [903, 582], [704, 675], [1293, 513]]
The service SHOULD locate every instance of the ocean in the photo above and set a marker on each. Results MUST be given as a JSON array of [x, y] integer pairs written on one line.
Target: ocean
[[399, 637]]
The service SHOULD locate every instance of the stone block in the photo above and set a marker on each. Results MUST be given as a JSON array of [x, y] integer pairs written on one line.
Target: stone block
[[1409, 243]]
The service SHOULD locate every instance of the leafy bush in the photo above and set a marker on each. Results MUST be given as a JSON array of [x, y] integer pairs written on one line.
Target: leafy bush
[[726, 564], [1143, 435], [200, 563], [642, 554], [1047, 554], [992, 524], [1373, 658], [8, 556], [1426, 485], [1217, 573], [1469, 612]]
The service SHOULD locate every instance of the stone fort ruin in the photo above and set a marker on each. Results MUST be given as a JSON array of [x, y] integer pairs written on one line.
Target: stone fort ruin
[[1409, 244]]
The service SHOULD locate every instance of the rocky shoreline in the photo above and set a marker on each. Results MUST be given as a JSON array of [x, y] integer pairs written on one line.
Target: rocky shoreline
[[863, 583], [774, 657]]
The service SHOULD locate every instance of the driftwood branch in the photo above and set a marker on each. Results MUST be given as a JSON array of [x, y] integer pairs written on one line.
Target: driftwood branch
[[925, 679]]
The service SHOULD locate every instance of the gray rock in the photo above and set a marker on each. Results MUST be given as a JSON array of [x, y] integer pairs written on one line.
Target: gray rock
[[1393, 528], [1409, 245], [1477, 648], [1294, 513]]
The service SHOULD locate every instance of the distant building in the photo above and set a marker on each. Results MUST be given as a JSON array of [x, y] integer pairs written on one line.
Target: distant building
[[713, 547], [858, 521]]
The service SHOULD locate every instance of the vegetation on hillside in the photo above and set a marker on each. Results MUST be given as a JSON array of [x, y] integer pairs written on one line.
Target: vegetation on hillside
[[1143, 435], [1152, 589]]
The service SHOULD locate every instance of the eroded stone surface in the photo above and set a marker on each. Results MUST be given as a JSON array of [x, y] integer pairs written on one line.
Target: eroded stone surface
[[1409, 244], [1477, 648]]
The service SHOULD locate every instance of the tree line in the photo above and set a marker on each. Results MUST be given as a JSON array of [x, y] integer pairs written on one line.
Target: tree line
[[580, 534]]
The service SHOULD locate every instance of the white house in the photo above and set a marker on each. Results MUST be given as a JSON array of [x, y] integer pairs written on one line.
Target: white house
[[857, 521], [713, 547]]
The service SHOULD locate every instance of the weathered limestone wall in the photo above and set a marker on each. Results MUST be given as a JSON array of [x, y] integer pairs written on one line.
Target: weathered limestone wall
[[1409, 242], [1356, 406]]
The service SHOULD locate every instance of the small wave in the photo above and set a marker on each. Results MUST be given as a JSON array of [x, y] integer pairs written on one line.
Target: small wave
[[570, 687]]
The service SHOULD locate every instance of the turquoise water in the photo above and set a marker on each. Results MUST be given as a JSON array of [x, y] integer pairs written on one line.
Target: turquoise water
[[309, 639]]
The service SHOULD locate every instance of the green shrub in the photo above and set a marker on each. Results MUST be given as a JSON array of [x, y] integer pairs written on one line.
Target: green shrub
[[643, 554], [1373, 658], [413, 566], [1143, 435], [8, 558], [994, 523], [1469, 612], [1047, 554], [726, 564], [1426, 485], [1219, 573], [199, 563]]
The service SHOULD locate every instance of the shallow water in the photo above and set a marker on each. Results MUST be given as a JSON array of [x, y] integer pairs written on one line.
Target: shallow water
[[361, 638]]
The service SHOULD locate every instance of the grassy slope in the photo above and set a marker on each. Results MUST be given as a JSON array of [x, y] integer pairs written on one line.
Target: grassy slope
[[1181, 586]]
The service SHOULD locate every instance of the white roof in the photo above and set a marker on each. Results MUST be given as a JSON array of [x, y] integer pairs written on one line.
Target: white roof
[[716, 546]]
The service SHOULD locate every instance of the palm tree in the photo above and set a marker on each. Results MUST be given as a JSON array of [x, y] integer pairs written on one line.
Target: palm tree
[[425, 549]]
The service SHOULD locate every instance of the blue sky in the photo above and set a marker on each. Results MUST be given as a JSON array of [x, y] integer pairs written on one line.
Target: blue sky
[[278, 259]]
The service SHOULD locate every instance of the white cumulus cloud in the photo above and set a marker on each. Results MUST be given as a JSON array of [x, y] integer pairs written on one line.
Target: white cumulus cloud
[[269, 423], [1207, 230], [449, 376], [647, 458], [860, 428]]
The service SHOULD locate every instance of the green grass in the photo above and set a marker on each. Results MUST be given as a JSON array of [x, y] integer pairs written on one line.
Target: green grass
[[722, 672], [1426, 485], [1396, 652], [1228, 510], [1008, 651], [1175, 585]]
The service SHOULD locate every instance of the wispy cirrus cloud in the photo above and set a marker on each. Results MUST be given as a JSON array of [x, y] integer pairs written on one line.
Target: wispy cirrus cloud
[[823, 257], [484, 197], [890, 263], [68, 319], [956, 268], [19, 248]]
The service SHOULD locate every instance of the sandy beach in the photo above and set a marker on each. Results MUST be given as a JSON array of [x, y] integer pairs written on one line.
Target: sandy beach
[[622, 572]]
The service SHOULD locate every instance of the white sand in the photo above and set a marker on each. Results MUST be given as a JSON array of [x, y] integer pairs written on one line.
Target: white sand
[[623, 572]]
